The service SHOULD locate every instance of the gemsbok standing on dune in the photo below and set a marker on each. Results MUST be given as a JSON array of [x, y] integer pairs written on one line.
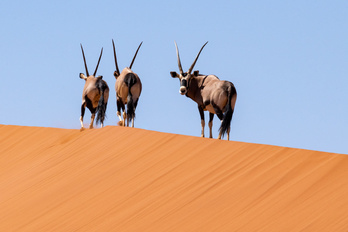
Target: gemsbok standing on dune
[[210, 93], [95, 94], [128, 90]]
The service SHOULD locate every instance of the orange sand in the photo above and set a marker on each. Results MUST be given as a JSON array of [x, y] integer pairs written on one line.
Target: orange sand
[[124, 179]]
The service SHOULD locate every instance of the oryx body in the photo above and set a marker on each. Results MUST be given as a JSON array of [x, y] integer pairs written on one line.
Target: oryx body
[[128, 89], [95, 95], [210, 93]]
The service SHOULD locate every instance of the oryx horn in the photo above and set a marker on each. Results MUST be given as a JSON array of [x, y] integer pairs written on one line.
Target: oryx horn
[[135, 56], [84, 59], [117, 70], [194, 62], [179, 62], [96, 68]]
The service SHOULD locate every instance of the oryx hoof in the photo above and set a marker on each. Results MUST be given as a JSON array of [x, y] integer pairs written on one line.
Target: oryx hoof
[[120, 123], [82, 129]]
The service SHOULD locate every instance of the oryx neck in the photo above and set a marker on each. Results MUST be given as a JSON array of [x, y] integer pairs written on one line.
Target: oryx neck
[[200, 80], [194, 86]]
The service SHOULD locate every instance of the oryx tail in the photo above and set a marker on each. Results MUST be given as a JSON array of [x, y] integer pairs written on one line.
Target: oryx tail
[[101, 109], [130, 80], [226, 121]]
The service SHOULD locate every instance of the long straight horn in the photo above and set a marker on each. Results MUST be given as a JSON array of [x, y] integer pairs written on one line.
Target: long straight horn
[[135, 56], [177, 54], [96, 68], [117, 70], [194, 62], [84, 59]]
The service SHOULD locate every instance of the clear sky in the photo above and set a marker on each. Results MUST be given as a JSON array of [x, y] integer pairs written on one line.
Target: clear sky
[[287, 59]]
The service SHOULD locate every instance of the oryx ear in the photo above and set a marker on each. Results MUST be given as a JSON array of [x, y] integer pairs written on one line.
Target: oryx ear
[[116, 74], [196, 73], [174, 74], [99, 77], [82, 76]]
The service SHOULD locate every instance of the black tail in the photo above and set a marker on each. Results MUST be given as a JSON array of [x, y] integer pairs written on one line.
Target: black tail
[[226, 121], [101, 109], [130, 80]]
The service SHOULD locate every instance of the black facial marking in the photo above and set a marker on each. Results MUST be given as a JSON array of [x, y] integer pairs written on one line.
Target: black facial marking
[[183, 83], [184, 74]]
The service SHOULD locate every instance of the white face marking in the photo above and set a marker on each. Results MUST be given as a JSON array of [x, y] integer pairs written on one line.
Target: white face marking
[[182, 90]]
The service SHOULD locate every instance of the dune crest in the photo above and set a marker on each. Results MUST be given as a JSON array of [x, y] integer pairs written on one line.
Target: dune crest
[[128, 179]]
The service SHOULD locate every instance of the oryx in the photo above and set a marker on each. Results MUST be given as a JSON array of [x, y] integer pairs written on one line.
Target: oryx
[[128, 89], [210, 93], [95, 94]]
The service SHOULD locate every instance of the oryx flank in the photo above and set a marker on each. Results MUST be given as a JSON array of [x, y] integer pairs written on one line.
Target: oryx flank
[[95, 94], [210, 93], [128, 90]]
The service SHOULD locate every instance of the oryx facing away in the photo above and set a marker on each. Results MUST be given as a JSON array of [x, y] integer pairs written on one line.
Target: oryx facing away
[[95, 94], [128, 89], [210, 93]]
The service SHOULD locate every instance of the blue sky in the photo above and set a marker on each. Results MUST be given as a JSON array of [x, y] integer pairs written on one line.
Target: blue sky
[[287, 59]]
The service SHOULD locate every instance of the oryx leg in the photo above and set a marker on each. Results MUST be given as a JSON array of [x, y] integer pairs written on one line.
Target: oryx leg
[[132, 122], [220, 115], [92, 117], [201, 113], [120, 106], [135, 106], [124, 118], [83, 108], [128, 118], [210, 124]]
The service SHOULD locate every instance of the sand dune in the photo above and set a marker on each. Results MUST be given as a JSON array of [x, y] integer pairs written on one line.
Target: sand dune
[[123, 179]]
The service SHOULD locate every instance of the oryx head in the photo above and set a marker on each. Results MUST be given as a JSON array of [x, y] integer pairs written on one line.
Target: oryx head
[[185, 77], [83, 76], [117, 72]]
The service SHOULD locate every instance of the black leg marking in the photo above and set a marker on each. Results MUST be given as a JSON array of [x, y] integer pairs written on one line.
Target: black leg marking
[[220, 115], [201, 113], [218, 111], [89, 105], [83, 108], [93, 110], [211, 117], [120, 105]]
